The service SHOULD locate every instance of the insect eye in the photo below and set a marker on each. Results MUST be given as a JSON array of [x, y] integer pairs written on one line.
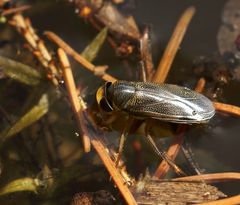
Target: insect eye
[[105, 102], [105, 105], [103, 99]]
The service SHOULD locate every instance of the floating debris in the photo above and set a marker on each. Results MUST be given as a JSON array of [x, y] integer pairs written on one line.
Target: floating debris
[[154, 192], [101, 197]]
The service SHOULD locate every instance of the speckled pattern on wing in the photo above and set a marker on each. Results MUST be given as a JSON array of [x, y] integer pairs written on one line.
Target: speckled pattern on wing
[[161, 101]]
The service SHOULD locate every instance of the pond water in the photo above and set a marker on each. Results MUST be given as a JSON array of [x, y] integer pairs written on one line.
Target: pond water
[[215, 146]]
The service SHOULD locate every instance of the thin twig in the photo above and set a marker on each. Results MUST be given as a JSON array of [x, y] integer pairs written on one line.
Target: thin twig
[[231, 109], [146, 55], [173, 46], [211, 178], [56, 39], [200, 85], [36, 45], [71, 87], [228, 201], [15, 10], [177, 142], [110, 166], [97, 144]]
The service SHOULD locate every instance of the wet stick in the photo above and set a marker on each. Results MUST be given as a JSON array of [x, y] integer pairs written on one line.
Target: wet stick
[[77, 106], [173, 46]]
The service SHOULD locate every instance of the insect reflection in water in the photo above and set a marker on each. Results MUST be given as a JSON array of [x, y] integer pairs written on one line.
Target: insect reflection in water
[[164, 102]]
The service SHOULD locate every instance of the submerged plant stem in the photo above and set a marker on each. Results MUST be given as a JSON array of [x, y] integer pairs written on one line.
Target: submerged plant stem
[[173, 46], [72, 91], [211, 178], [36, 45], [231, 109], [85, 63]]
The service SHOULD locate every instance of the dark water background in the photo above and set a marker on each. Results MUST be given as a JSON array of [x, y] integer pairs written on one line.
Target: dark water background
[[216, 145]]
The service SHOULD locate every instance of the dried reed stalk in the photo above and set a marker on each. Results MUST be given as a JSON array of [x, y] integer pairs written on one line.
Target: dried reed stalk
[[36, 45], [173, 45], [53, 37], [231, 109], [77, 105], [211, 178]]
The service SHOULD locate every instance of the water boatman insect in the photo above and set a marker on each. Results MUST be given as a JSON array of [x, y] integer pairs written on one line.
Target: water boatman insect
[[166, 102]]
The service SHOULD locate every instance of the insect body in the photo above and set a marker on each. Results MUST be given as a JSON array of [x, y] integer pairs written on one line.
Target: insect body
[[165, 102]]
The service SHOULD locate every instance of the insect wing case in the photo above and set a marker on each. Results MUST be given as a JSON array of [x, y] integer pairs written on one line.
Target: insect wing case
[[161, 101]]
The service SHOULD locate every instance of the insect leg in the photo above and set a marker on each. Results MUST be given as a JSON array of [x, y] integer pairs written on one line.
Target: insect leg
[[188, 153], [123, 138], [162, 154], [143, 72]]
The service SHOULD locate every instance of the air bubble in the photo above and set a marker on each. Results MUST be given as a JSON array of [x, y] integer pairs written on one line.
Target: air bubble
[[77, 134]]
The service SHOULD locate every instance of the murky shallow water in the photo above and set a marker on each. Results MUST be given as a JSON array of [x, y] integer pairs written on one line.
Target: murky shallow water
[[215, 146]]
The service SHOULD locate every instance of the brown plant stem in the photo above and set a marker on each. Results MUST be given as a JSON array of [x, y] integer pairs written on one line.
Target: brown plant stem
[[110, 166], [15, 10], [36, 45], [73, 96], [173, 46], [53, 37], [231, 109], [200, 85], [211, 178]]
